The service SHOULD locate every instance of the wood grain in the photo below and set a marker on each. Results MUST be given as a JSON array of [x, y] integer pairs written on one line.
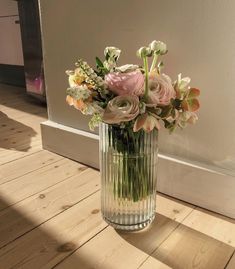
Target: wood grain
[[54, 240], [187, 248], [127, 250], [37, 181], [31, 212], [18, 168], [213, 225]]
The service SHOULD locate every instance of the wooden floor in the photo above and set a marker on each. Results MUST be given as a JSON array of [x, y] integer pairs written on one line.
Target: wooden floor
[[50, 215]]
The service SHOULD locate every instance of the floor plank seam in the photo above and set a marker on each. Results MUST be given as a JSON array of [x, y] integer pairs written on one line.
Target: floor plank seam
[[27, 173], [37, 226], [233, 255], [21, 157], [41, 191], [177, 226]]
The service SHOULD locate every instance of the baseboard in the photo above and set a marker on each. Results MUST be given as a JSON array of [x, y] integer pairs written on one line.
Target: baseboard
[[71, 143], [12, 75], [196, 183], [205, 186]]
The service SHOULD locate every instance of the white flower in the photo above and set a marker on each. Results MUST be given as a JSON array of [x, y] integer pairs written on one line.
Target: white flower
[[183, 83], [112, 52], [127, 68], [110, 65]]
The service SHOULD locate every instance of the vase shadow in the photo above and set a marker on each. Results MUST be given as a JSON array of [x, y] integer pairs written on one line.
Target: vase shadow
[[167, 241]]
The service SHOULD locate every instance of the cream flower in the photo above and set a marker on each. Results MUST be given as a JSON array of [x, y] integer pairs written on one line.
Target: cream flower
[[161, 90], [121, 108]]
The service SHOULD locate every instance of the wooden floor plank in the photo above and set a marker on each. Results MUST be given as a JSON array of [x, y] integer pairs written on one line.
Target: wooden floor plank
[[119, 250], [31, 212], [37, 181], [213, 225], [25, 165], [51, 242], [231, 264], [20, 118], [10, 155], [19, 141], [152, 263], [188, 248]]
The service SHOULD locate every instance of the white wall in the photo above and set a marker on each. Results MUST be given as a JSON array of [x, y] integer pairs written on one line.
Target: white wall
[[10, 37], [200, 39]]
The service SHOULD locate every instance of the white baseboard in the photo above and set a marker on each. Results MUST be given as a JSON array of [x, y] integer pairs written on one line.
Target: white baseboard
[[208, 187], [201, 185], [71, 143]]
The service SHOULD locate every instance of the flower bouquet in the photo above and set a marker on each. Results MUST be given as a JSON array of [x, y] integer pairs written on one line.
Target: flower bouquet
[[131, 103]]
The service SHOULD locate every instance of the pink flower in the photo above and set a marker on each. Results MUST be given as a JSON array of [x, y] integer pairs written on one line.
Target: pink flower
[[131, 83], [161, 90], [121, 108], [146, 122]]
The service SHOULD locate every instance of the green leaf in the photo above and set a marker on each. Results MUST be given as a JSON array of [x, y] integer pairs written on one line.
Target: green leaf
[[99, 63]]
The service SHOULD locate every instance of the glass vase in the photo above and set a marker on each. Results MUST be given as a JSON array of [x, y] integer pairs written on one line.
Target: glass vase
[[128, 163]]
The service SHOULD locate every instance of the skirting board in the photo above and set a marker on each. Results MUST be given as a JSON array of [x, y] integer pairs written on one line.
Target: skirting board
[[196, 183], [71, 143]]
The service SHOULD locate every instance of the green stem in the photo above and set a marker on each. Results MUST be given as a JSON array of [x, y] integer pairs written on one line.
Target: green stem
[[146, 77], [155, 58]]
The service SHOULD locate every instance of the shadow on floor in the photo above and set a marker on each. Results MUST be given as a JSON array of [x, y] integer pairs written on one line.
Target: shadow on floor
[[15, 135], [17, 98], [184, 247]]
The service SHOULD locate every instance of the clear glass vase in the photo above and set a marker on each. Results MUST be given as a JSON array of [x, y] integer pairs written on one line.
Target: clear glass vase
[[128, 163]]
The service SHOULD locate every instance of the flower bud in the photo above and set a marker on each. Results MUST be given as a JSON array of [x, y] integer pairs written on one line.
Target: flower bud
[[158, 47], [143, 52]]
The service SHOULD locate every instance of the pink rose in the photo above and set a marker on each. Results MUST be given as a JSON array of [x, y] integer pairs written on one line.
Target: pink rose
[[121, 108], [161, 90], [131, 83]]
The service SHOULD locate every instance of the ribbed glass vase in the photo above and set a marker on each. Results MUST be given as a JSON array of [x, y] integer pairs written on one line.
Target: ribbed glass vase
[[128, 162]]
